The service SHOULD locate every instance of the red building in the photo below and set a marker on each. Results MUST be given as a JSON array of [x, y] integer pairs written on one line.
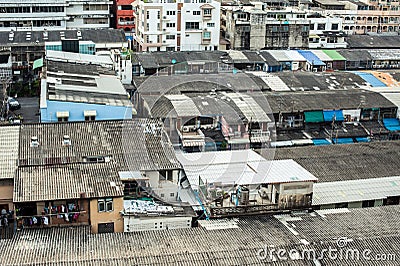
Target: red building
[[125, 15]]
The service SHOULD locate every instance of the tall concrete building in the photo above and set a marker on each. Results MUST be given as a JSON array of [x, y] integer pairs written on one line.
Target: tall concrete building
[[182, 25], [31, 15]]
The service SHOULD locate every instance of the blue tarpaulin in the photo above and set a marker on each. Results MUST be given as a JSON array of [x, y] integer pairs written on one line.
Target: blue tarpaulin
[[319, 142], [311, 58], [391, 124], [331, 115], [362, 139], [371, 79], [343, 140]]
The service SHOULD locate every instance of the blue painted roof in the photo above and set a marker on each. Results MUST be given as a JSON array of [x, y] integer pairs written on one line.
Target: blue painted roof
[[362, 139], [391, 124], [311, 58], [343, 141], [330, 114], [371, 79], [320, 142]]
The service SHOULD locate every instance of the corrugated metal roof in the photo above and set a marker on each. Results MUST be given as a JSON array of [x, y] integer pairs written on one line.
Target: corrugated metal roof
[[9, 144], [321, 55], [356, 190], [334, 55], [311, 58], [240, 167], [249, 107], [183, 105], [43, 183], [385, 54], [295, 56], [279, 55]]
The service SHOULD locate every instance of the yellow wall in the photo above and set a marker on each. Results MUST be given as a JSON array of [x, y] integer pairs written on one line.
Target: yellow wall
[[107, 217], [6, 193]]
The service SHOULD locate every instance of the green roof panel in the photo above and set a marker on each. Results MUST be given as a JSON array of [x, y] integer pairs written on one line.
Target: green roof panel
[[314, 117], [334, 55]]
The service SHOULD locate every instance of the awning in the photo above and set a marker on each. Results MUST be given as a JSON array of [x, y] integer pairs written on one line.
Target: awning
[[90, 113], [314, 36], [319, 142], [331, 115], [334, 55], [62, 114], [314, 117], [343, 140]]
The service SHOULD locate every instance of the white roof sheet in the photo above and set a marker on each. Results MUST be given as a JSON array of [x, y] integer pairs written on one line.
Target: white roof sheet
[[385, 54], [295, 56], [393, 97], [321, 55], [356, 190], [249, 107], [9, 145], [279, 55], [76, 57], [241, 167], [183, 105], [237, 55]]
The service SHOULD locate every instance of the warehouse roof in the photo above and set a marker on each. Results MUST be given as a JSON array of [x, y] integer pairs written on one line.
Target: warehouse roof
[[219, 242], [325, 100], [347, 162], [356, 190]]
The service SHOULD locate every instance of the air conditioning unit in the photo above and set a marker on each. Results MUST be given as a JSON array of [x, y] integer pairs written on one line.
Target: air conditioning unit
[[185, 129], [164, 29], [164, 41]]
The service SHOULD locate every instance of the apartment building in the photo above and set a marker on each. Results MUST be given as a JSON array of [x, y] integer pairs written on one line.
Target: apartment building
[[165, 25], [54, 15], [368, 16], [125, 15]]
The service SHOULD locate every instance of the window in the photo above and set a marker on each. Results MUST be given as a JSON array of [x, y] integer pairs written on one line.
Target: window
[[321, 27], [335, 26], [105, 205], [210, 25], [148, 14], [170, 49], [158, 14], [105, 228], [285, 28], [207, 12], [170, 37], [171, 194], [170, 25], [312, 27], [63, 119], [242, 16], [90, 118], [192, 25], [196, 13], [170, 13], [206, 35], [305, 29]]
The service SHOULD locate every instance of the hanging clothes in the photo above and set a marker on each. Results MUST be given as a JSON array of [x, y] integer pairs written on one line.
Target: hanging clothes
[[45, 220]]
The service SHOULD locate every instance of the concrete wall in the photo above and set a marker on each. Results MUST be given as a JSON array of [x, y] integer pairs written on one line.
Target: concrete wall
[[76, 111], [114, 216], [6, 193]]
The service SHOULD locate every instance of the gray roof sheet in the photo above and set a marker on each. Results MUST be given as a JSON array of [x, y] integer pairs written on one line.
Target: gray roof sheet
[[322, 100], [347, 162], [375, 229], [373, 41]]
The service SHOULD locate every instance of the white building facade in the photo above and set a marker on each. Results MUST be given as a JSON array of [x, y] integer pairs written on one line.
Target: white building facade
[[30, 15], [164, 25]]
